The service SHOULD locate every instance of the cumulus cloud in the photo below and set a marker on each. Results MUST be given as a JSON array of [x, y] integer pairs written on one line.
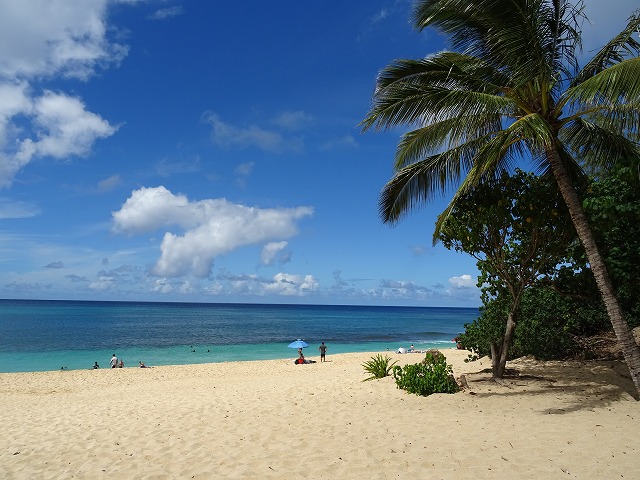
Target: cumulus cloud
[[281, 284], [67, 37], [292, 285], [62, 127], [463, 281], [208, 228], [40, 40], [227, 135]]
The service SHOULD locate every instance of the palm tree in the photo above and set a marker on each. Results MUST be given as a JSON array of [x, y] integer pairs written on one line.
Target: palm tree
[[511, 89]]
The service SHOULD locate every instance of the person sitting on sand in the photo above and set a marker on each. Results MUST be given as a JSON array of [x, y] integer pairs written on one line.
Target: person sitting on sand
[[121, 364], [95, 365], [142, 365]]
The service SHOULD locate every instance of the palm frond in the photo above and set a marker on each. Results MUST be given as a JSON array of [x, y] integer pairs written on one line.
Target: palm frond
[[446, 134], [421, 91], [518, 37], [619, 119], [619, 84], [598, 147], [415, 184], [622, 46]]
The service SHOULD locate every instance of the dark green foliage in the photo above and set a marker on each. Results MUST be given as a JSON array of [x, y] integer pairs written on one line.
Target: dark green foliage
[[613, 207], [378, 367], [543, 330], [548, 322], [612, 204], [432, 375], [433, 356]]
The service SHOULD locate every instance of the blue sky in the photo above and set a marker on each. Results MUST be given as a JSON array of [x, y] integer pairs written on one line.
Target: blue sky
[[169, 150]]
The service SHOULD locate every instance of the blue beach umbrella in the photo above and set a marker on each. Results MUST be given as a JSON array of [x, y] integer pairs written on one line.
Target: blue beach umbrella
[[298, 344]]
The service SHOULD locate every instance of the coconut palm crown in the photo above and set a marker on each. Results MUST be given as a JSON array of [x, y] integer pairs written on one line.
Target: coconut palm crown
[[511, 89]]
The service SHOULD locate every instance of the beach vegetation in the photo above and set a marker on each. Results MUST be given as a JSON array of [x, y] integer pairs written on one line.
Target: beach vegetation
[[612, 204], [546, 327], [517, 228], [562, 311], [432, 375], [378, 367], [511, 90]]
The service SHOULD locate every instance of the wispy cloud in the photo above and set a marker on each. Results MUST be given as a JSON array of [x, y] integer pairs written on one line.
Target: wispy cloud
[[17, 209], [165, 13], [227, 135]]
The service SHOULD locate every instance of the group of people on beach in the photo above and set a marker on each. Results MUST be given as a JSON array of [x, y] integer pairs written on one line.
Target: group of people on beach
[[323, 354], [117, 363]]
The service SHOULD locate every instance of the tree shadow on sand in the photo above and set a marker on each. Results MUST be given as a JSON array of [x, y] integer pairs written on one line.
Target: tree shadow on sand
[[571, 385]]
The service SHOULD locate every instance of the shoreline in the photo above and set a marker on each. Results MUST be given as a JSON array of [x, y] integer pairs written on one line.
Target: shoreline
[[182, 355], [274, 419]]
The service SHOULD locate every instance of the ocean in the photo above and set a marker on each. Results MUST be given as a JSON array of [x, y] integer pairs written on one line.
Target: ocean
[[41, 335]]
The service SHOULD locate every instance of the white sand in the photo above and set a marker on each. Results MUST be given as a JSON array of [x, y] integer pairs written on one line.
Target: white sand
[[274, 419]]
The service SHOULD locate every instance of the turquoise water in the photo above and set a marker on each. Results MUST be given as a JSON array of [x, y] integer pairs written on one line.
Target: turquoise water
[[50, 335]]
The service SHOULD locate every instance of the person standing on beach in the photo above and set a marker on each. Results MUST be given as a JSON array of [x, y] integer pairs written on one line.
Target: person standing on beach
[[114, 361], [323, 351]]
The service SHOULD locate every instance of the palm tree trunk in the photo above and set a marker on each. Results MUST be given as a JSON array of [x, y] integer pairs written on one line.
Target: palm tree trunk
[[630, 350]]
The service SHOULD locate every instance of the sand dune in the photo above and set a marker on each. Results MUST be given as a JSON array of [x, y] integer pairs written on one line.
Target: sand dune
[[274, 419]]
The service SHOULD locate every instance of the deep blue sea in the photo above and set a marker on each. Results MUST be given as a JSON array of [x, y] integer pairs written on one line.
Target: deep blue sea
[[39, 335]]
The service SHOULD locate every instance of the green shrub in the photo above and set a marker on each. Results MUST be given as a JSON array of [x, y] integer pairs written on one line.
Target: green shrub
[[378, 367], [434, 356], [432, 375]]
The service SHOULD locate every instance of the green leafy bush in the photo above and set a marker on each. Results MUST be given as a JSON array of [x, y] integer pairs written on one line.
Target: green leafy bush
[[432, 375], [546, 322], [378, 367]]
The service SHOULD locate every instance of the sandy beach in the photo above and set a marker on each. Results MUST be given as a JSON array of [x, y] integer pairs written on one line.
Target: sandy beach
[[274, 419]]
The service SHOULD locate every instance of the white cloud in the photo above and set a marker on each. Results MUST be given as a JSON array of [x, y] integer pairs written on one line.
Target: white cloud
[[270, 251], [210, 228], [292, 285], [66, 128], [282, 284], [463, 281], [50, 37], [41, 39], [62, 128], [229, 136]]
